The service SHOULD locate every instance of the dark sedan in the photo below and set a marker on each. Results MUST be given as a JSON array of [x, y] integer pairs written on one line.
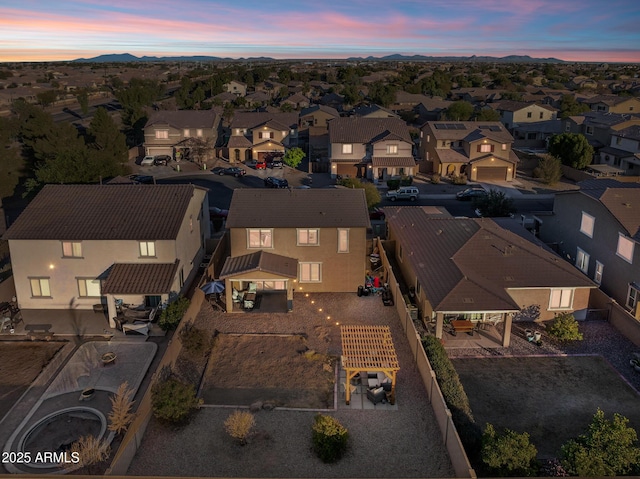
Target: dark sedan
[[471, 193], [273, 182], [232, 171]]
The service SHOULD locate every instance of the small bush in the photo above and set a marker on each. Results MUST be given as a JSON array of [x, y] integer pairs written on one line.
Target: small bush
[[564, 327], [194, 340], [172, 314], [549, 170], [121, 404], [239, 425], [459, 179], [90, 450], [435, 178], [393, 184], [173, 400], [329, 438], [509, 453]]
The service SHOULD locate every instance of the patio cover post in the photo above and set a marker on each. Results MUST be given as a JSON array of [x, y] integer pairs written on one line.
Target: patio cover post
[[506, 333], [439, 325]]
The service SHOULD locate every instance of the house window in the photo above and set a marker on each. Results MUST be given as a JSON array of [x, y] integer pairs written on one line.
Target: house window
[[347, 149], [597, 276], [561, 299], [181, 277], [541, 115], [528, 114], [567, 127], [40, 287], [191, 224], [88, 287], [147, 248], [633, 296], [186, 133], [589, 130], [71, 249], [260, 238], [586, 224], [485, 148], [162, 134], [310, 272], [582, 261], [343, 240], [618, 140], [308, 237], [392, 149], [199, 132], [625, 248], [504, 147], [418, 288]]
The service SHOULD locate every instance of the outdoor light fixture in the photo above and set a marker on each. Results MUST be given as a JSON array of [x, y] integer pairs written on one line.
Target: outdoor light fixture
[[306, 295], [313, 302], [51, 266], [320, 309]]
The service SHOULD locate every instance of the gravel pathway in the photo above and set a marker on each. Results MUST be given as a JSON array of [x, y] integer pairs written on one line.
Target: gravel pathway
[[402, 443]]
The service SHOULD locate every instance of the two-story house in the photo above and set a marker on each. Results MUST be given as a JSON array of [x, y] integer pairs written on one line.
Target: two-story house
[[481, 150], [623, 150], [78, 245], [598, 126], [614, 104], [236, 87], [372, 148], [475, 270], [514, 113], [298, 240], [597, 228], [174, 133], [254, 134]]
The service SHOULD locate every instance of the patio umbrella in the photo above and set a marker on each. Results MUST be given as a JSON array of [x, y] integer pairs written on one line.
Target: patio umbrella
[[213, 287]]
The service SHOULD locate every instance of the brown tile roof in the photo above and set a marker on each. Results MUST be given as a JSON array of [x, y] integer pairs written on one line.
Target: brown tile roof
[[391, 161], [252, 119], [462, 129], [469, 264], [298, 208], [260, 261], [239, 141], [184, 118], [366, 130], [140, 278], [104, 212], [510, 105], [326, 109]]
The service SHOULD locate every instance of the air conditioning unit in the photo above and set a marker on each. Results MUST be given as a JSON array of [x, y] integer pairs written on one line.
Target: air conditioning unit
[[207, 257], [204, 265]]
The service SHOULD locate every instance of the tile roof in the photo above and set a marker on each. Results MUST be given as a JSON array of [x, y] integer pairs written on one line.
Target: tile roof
[[312, 109], [260, 261], [298, 208], [365, 130], [140, 278], [184, 118], [104, 212], [252, 119], [469, 264], [239, 141], [509, 105], [462, 129]]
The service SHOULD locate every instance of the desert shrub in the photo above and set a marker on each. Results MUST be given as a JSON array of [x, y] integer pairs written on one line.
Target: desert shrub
[[564, 327], [239, 425], [453, 392], [549, 170], [459, 179], [509, 453], [393, 184], [194, 340], [329, 438], [435, 178], [172, 314], [121, 404], [608, 448], [90, 450], [172, 400], [406, 181]]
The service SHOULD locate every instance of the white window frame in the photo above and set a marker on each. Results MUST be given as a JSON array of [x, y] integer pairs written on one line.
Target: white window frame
[[633, 296], [310, 272], [343, 240], [485, 148], [347, 149], [587, 224], [147, 249], [86, 287], [597, 274], [71, 249], [308, 237], [630, 246], [40, 287], [162, 134], [564, 298], [264, 237], [199, 132], [392, 149], [504, 147], [186, 133], [582, 260]]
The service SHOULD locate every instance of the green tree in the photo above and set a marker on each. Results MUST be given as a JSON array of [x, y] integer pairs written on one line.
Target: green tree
[[46, 98], [608, 448], [572, 149], [371, 193], [172, 400], [495, 204], [134, 98], [487, 114], [549, 169], [459, 111], [83, 100], [564, 327], [108, 143], [569, 106], [509, 453], [293, 157]]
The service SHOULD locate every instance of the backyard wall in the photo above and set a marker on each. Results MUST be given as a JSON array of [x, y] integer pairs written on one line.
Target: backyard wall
[[619, 317], [133, 437], [450, 437]]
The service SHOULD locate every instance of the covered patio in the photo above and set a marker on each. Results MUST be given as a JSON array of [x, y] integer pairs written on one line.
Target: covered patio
[[368, 349]]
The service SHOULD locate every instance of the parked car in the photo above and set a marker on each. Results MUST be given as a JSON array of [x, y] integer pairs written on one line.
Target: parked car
[[273, 182], [142, 179], [471, 193], [147, 161], [232, 171], [376, 214], [161, 160], [275, 163], [404, 193], [218, 170], [261, 165]]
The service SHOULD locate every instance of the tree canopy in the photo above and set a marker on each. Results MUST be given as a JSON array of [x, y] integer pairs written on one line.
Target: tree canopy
[[495, 204], [459, 111], [508, 453], [572, 149], [370, 190], [293, 157]]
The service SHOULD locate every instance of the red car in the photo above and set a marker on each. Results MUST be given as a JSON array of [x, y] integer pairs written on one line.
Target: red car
[[261, 165]]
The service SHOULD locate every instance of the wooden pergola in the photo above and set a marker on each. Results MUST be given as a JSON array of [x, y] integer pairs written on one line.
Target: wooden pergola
[[368, 348]]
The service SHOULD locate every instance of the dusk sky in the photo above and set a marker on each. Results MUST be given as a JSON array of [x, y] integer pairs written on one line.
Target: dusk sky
[[572, 30]]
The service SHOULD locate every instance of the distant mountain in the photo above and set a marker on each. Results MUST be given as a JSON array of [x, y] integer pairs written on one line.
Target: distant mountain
[[473, 58], [127, 57]]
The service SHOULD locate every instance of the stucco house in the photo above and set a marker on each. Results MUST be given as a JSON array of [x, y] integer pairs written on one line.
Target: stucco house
[[175, 133], [515, 113], [78, 245], [317, 116], [623, 150], [597, 228], [597, 126], [475, 270], [614, 104], [482, 150], [296, 240], [236, 87], [254, 134], [372, 148]]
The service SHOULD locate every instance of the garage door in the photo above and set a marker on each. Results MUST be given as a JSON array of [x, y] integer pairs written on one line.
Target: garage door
[[160, 151], [491, 173], [346, 169]]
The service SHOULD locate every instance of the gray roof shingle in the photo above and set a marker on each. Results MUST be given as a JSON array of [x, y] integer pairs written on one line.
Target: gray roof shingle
[[140, 278], [365, 130], [184, 118], [260, 261]]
